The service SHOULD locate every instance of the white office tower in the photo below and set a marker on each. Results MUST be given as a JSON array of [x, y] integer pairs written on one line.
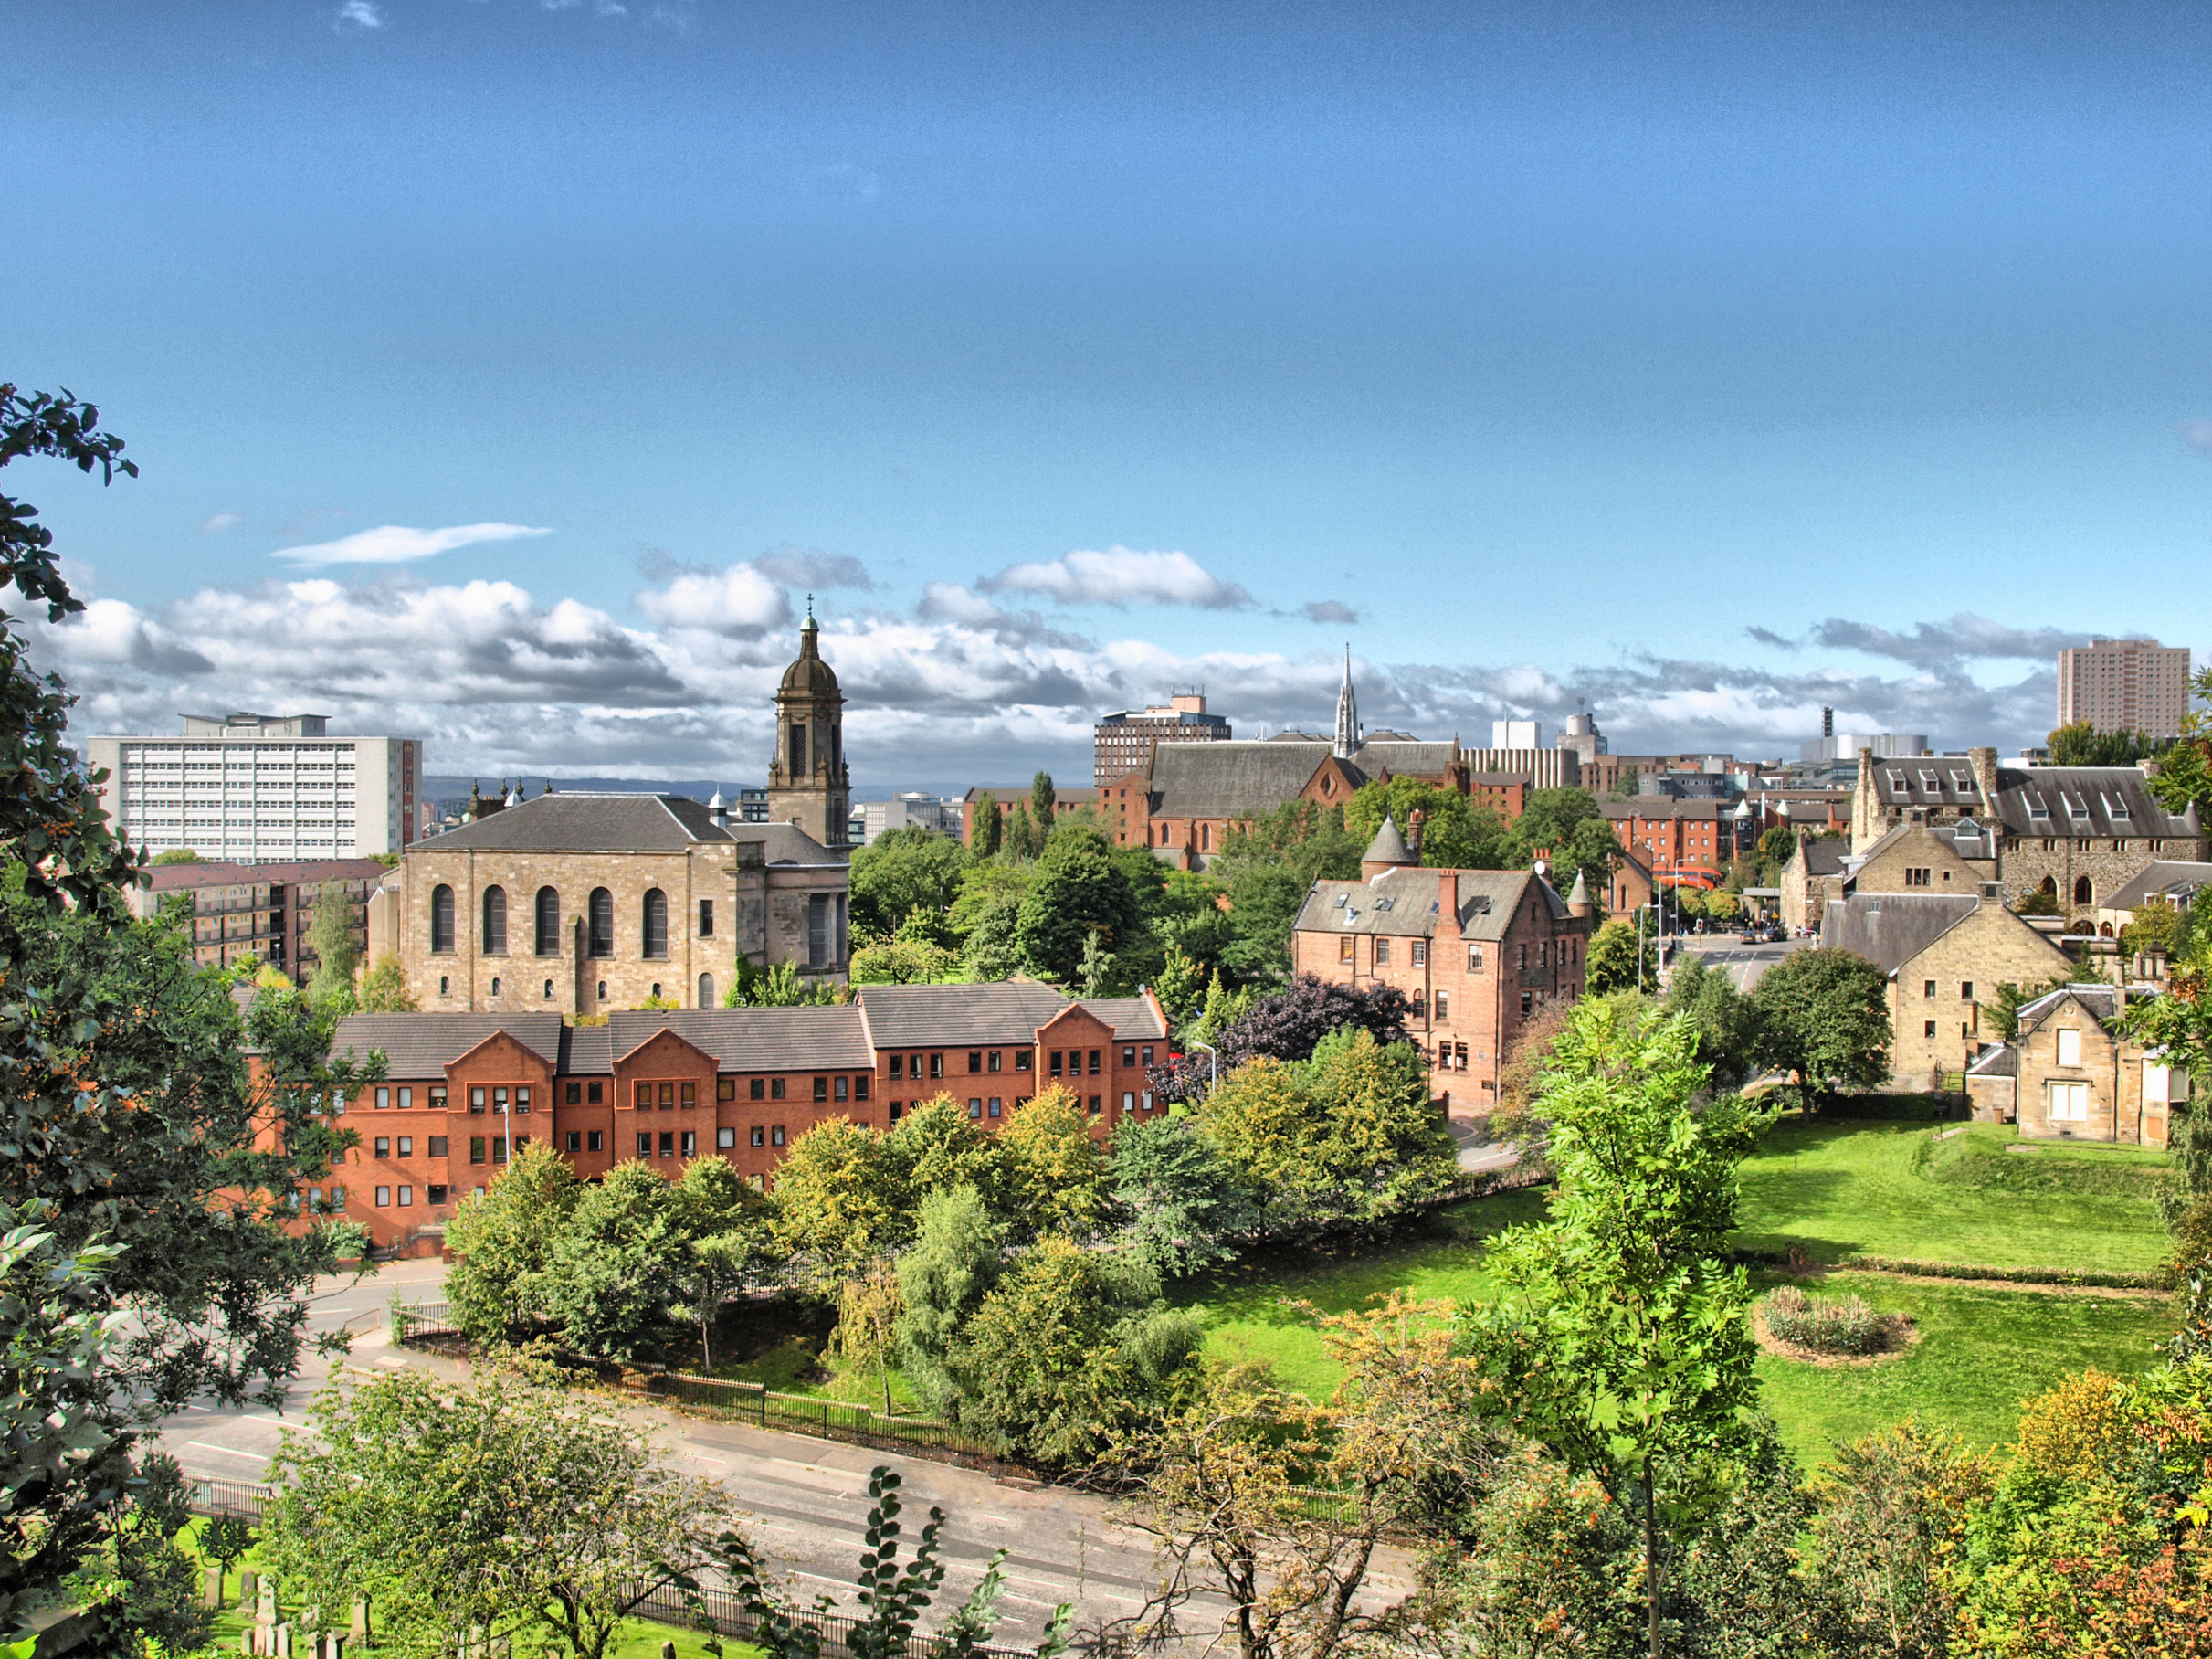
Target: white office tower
[[1516, 735], [253, 788]]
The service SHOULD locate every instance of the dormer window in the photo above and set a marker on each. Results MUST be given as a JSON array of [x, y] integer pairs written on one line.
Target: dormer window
[[1342, 899]]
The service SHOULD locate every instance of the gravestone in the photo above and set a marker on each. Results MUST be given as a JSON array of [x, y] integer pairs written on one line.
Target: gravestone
[[211, 1593], [250, 1586], [359, 1630]]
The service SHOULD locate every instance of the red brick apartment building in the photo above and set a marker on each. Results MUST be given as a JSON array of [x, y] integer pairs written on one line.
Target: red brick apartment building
[[1679, 842], [462, 1091], [1478, 952]]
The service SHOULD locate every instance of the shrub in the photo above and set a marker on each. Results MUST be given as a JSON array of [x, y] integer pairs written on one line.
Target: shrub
[[1825, 1324]]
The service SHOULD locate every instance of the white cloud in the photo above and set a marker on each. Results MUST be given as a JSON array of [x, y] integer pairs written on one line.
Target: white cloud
[[1121, 575], [737, 601], [215, 522], [396, 545], [360, 15]]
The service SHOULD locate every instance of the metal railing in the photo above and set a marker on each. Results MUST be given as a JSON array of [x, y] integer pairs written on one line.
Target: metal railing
[[207, 1494], [807, 1413]]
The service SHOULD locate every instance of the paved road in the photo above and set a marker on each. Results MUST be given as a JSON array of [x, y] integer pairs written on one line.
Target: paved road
[[807, 1498], [1744, 963]]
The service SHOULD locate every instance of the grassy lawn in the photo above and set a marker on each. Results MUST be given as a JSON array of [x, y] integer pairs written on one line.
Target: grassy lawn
[[1982, 1351], [1984, 1196]]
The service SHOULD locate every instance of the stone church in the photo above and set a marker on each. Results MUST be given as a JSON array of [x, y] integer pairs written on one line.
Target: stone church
[[586, 904]]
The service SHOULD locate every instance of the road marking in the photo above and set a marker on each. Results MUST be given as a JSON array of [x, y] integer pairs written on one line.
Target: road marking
[[720, 1463], [226, 1451], [390, 1359]]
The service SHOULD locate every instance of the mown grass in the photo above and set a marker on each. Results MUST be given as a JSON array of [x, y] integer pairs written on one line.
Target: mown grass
[[1981, 1352], [1882, 1188], [1839, 1189]]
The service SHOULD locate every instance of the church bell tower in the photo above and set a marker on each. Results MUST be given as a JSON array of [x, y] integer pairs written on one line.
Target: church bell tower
[[807, 783]]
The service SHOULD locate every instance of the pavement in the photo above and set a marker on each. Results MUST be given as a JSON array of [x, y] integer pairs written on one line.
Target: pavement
[[804, 1500]]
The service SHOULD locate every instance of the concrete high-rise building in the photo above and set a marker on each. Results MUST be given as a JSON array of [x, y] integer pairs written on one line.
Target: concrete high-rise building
[[2135, 685], [1122, 744], [258, 788], [1516, 735]]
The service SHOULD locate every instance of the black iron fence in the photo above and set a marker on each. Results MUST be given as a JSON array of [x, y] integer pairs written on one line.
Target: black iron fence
[[807, 1413]]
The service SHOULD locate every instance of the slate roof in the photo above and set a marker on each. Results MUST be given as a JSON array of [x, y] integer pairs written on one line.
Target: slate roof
[[2099, 1001], [1664, 805], [953, 1016], [1239, 779], [424, 1045], [1825, 857], [584, 822], [2171, 877], [833, 1039], [1388, 847], [1406, 759], [1966, 838], [1133, 1018], [1920, 781], [2069, 802], [1406, 902], [177, 878], [2003, 1061], [1889, 929]]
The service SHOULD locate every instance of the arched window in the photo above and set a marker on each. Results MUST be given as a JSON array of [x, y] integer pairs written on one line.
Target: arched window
[[2050, 887], [495, 921], [602, 923], [549, 922], [798, 750], [2083, 892], [706, 990], [441, 919], [655, 923], [549, 990]]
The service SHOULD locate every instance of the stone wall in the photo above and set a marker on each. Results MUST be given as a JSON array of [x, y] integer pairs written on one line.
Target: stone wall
[[1965, 967]]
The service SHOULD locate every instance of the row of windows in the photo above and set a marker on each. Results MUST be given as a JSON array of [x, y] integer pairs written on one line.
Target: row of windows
[[433, 1195], [407, 1146], [599, 928]]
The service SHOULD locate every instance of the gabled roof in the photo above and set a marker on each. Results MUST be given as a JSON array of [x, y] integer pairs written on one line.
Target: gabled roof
[[2169, 877], [584, 822], [424, 1045], [828, 1038], [2003, 1061], [1406, 759], [953, 1016], [1889, 929], [1134, 1018], [2073, 803], [2098, 1001], [1239, 779], [1406, 902], [1825, 857]]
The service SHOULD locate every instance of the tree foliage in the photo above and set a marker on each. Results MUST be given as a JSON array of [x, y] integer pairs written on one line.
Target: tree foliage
[[504, 1238], [1186, 1206], [902, 871], [1611, 965], [1621, 1336], [1079, 893], [508, 1503], [958, 1254], [1825, 1015], [2081, 745], [1055, 1178]]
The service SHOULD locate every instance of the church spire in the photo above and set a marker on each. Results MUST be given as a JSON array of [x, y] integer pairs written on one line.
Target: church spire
[[1347, 715]]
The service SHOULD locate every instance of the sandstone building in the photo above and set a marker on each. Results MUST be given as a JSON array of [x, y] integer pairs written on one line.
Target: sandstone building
[[585, 903], [2067, 1076]]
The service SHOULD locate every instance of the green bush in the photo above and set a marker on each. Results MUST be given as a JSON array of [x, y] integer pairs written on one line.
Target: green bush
[[1825, 1324]]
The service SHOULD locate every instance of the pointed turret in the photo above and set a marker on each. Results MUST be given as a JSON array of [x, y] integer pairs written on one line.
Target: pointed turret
[[1387, 852], [1347, 715], [1578, 899]]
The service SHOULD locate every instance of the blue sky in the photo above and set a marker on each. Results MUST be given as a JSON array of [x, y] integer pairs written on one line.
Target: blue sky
[[1541, 352]]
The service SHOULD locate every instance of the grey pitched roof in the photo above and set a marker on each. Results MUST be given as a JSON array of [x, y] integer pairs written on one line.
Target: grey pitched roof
[[1405, 759], [1825, 857], [951, 1016], [2099, 1001], [1664, 805], [581, 822], [2003, 1061], [754, 1038], [1927, 781], [1889, 929], [1406, 902], [2070, 802], [1133, 1018], [1388, 847], [2170, 877], [1240, 779], [424, 1045]]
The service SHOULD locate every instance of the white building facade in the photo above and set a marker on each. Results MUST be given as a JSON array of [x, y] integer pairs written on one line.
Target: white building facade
[[254, 789]]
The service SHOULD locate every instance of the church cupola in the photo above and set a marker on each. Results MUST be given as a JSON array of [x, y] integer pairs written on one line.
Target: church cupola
[[807, 782]]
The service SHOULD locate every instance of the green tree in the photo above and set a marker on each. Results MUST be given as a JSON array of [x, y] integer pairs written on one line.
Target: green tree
[[1079, 892], [1723, 1019], [609, 1284], [898, 873], [903, 962], [1022, 840], [937, 1145], [1043, 803], [1455, 834], [508, 1503], [1267, 867], [2157, 925], [177, 855], [1551, 817], [782, 986], [1181, 986], [958, 1256], [329, 934], [1825, 1015], [1611, 965], [2081, 745], [1070, 1351], [1184, 1205], [988, 832], [841, 1198], [1055, 1178], [1621, 1334], [1777, 847], [384, 989], [504, 1238]]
